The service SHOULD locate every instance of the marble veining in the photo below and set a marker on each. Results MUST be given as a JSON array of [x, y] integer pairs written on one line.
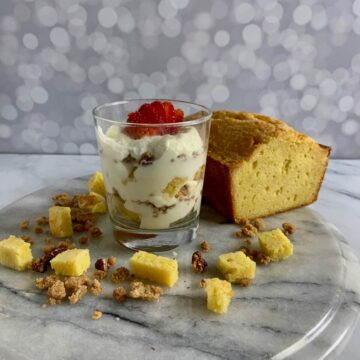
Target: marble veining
[[316, 292]]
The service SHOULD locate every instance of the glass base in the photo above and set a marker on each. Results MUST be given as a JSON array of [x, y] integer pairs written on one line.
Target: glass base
[[153, 240]]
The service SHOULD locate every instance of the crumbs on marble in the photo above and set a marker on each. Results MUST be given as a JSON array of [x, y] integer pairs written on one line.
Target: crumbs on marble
[[288, 228], [25, 224], [96, 315], [138, 290], [205, 246]]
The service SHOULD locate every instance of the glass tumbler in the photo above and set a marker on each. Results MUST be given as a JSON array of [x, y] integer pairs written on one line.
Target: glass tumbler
[[153, 173]]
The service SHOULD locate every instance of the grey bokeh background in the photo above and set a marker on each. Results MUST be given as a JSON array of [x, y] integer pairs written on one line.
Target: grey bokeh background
[[296, 60]]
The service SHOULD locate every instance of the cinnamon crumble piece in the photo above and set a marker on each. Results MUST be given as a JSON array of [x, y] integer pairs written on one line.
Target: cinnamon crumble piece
[[57, 290], [78, 294], [243, 221], [95, 232], [38, 265], [100, 275], [38, 230], [198, 262], [83, 240], [288, 228], [24, 225], [202, 283], [245, 282], [46, 282], [248, 231], [96, 288], [111, 260], [145, 292], [52, 301], [74, 282], [43, 220], [259, 223], [257, 256], [78, 227], [205, 246], [27, 239], [97, 314], [63, 200], [119, 294], [120, 274]]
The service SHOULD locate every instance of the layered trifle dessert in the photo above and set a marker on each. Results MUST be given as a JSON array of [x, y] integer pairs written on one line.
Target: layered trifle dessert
[[153, 168]]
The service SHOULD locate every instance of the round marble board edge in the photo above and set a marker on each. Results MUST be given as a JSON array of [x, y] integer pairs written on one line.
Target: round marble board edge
[[295, 307]]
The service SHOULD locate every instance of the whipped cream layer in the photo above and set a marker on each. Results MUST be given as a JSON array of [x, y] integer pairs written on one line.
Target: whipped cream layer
[[157, 178]]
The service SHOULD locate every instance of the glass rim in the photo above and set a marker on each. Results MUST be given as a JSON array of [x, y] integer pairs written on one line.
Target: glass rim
[[200, 120]]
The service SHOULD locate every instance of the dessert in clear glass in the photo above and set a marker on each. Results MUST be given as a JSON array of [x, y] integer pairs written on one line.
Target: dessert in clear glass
[[153, 156]]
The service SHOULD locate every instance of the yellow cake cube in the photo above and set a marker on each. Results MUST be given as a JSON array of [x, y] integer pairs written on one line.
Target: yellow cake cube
[[15, 253], [96, 184], [275, 244], [60, 221], [219, 294], [93, 202], [156, 268], [236, 266], [73, 262]]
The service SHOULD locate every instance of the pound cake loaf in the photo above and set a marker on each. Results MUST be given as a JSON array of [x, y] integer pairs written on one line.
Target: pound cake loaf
[[259, 166]]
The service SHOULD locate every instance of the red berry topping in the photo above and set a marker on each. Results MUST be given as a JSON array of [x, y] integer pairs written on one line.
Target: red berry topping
[[155, 113]]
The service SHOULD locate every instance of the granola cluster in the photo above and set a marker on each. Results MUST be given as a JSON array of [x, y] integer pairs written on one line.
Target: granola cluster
[[288, 228], [138, 290], [256, 255], [74, 288]]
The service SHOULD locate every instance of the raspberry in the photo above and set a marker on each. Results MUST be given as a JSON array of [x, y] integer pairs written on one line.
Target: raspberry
[[154, 113]]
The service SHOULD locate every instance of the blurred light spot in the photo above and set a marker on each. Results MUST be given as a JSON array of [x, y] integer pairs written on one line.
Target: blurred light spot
[[219, 9], [39, 95], [308, 102], [271, 24], [298, 82], [87, 148], [222, 38], [60, 38], [262, 70], [70, 148], [166, 9], [96, 74], [289, 39], [350, 127], [147, 90], [203, 21], [47, 16], [9, 112], [176, 66], [22, 12], [346, 103], [246, 58], [5, 131], [30, 41], [24, 103], [252, 36], [171, 27], [319, 18], [302, 14], [115, 85], [107, 17], [244, 13], [49, 145], [328, 87], [268, 100], [158, 79], [220, 93], [9, 24], [51, 128], [282, 71], [179, 4], [356, 7], [126, 22], [355, 63]]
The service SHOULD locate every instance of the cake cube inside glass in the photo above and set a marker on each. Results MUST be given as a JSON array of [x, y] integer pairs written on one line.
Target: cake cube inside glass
[[153, 156]]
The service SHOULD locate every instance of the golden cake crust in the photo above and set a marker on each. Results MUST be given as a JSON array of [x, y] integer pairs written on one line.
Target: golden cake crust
[[235, 137]]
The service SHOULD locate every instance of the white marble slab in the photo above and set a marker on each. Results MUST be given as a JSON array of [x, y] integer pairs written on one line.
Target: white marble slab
[[188, 337]]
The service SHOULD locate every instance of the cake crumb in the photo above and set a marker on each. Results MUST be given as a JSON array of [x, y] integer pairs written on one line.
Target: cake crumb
[[119, 294], [100, 275], [198, 262], [27, 239], [43, 220], [120, 274], [111, 261], [205, 246], [245, 282], [44, 306], [96, 315], [259, 223], [96, 287], [38, 230], [202, 283], [24, 225], [145, 292], [288, 228], [243, 221], [83, 240], [248, 231], [78, 294], [57, 290], [95, 232], [53, 301]]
